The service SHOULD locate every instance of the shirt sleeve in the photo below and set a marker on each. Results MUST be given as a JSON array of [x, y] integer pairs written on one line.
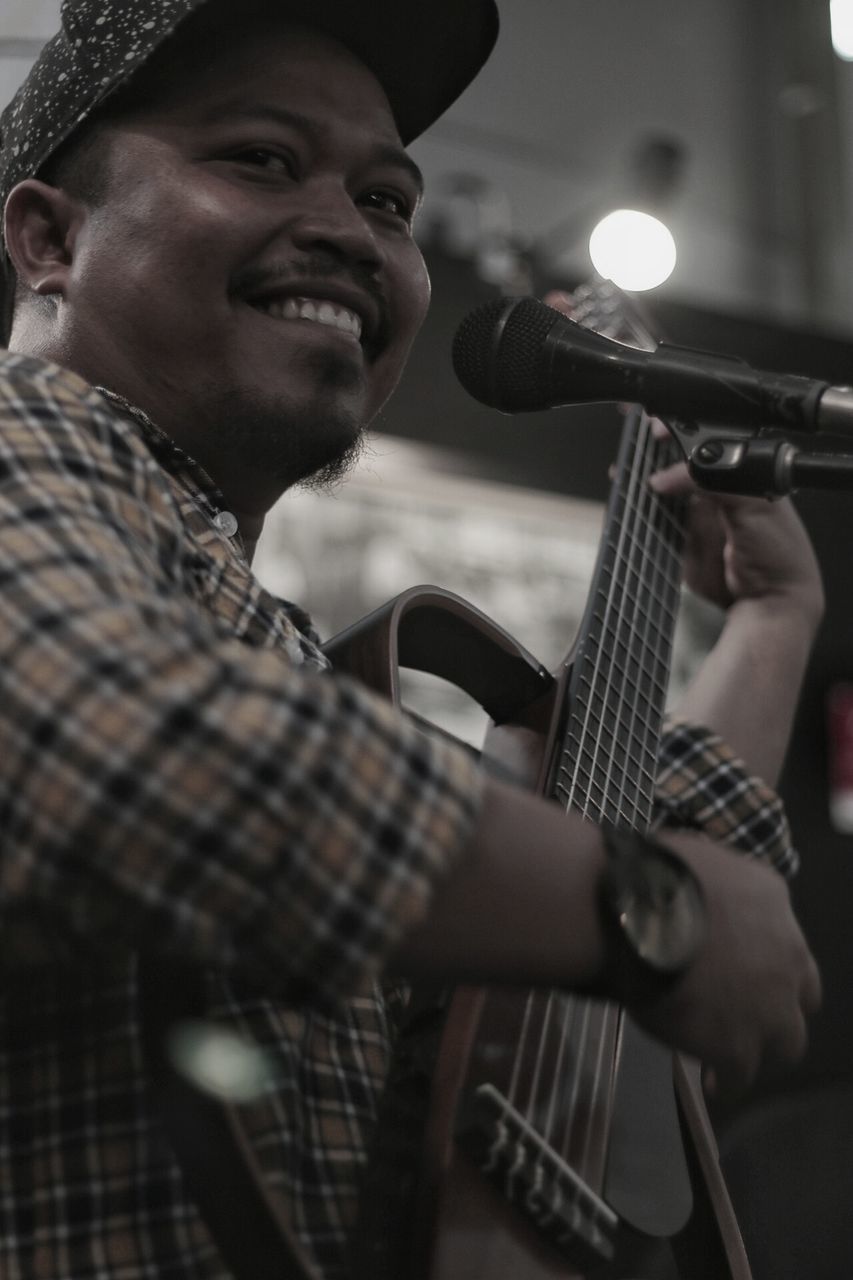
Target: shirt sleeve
[[701, 784], [163, 784]]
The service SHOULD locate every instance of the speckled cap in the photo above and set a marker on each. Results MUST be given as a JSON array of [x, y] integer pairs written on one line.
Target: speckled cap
[[423, 52]]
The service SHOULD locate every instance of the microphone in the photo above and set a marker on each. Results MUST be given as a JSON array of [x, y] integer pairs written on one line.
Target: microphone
[[518, 355]]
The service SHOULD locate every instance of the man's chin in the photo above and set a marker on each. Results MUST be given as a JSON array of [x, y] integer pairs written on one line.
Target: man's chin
[[317, 457], [331, 473], [289, 440]]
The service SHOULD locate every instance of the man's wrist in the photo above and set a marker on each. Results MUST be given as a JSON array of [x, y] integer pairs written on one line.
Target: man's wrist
[[653, 917]]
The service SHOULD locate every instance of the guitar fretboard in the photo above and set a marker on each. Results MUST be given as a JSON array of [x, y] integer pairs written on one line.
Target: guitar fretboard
[[617, 693]]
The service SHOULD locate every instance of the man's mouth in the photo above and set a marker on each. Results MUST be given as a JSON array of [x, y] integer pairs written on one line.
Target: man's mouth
[[314, 310]]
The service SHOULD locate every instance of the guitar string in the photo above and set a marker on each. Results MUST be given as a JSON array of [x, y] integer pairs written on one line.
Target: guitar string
[[539, 1062], [614, 713], [583, 1034], [610, 1020], [641, 579], [550, 1099], [515, 1075], [653, 569], [561, 1074], [620, 632], [570, 1003], [660, 559], [642, 457], [655, 565], [573, 1129], [521, 1052], [596, 679]]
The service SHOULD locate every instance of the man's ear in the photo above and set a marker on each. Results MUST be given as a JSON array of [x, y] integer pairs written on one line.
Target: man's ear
[[40, 229]]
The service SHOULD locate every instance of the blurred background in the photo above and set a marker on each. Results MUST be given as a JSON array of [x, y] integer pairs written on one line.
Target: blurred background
[[731, 121]]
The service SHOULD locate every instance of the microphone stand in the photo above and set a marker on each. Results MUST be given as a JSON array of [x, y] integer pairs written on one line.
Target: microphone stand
[[765, 466]]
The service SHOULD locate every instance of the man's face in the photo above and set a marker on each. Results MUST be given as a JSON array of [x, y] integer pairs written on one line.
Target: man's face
[[250, 278]]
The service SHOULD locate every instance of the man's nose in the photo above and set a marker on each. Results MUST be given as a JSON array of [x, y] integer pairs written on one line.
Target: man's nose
[[331, 220]]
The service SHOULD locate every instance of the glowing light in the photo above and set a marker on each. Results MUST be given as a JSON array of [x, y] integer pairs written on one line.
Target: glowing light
[[841, 20], [633, 249], [219, 1062]]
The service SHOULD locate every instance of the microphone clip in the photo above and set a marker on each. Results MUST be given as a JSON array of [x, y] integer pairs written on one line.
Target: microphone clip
[[766, 466], [746, 466]]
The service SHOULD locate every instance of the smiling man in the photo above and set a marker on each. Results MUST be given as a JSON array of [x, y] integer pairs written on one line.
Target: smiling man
[[251, 262], [212, 288]]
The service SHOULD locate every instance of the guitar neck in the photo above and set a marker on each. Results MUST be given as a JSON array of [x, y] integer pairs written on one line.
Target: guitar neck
[[617, 692]]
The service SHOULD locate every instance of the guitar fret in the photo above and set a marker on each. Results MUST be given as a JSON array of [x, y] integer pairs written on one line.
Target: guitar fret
[[644, 614], [590, 769], [663, 614], [621, 672], [647, 688], [639, 776], [617, 749], [630, 661], [592, 683]]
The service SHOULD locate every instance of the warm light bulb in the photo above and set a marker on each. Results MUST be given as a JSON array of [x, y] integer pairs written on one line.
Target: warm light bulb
[[841, 20], [633, 249]]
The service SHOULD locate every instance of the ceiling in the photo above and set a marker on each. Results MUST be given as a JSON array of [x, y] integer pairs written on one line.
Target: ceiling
[[747, 90]]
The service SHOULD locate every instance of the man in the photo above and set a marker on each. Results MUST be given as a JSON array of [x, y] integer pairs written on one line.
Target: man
[[215, 288]]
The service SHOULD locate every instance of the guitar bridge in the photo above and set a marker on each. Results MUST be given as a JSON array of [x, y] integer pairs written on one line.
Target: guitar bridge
[[535, 1180]]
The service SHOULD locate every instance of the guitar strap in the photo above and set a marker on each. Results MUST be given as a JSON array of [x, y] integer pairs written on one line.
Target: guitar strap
[[217, 1163]]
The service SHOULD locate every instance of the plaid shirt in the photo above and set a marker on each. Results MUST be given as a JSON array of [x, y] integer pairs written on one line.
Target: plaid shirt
[[179, 775]]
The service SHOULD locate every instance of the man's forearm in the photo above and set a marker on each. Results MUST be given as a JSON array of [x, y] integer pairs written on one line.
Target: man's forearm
[[748, 687], [520, 904]]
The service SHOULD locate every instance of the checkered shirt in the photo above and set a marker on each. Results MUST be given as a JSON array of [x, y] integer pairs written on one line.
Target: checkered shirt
[[702, 785], [180, 775]]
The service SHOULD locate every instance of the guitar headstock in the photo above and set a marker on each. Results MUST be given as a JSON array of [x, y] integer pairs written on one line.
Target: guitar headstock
[[602, 306]]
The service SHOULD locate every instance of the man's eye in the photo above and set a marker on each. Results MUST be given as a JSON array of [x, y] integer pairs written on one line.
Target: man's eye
[[265, 158], [390, 202]]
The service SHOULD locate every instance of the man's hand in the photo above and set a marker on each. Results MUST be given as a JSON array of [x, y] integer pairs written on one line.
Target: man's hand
[[743, 548], [743, 1004], [522, 907], [738, 547]]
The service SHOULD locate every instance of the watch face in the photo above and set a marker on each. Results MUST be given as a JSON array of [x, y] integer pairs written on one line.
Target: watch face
[[660, 908]]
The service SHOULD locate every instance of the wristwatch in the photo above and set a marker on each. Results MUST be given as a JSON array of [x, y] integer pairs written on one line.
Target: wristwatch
[[653, 914]]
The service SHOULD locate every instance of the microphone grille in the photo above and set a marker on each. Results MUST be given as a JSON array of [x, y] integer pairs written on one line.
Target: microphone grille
[[497, 353]]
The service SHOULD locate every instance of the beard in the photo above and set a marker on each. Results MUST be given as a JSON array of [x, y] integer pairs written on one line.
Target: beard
[[295, 442]]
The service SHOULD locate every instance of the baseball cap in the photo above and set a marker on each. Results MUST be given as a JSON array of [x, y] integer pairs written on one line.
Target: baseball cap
[[423, 52]]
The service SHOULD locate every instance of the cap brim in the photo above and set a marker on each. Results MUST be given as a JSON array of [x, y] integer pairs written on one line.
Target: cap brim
[[424, 54]]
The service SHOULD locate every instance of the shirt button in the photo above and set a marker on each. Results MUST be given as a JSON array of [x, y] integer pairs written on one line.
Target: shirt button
[[226, 522]]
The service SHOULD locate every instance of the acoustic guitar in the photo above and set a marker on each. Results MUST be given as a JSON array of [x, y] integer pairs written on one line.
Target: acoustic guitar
[[560, 1142]]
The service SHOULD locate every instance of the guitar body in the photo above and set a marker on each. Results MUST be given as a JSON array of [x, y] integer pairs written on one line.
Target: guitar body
[[561, 1143], [465, 1226], [472, 1233]]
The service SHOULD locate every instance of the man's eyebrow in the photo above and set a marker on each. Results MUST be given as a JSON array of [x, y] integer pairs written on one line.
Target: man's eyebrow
[[387, 154], [382, 152]]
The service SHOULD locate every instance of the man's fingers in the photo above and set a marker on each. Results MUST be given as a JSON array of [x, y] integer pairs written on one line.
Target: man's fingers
[[738, 1065], [673, 479], [560, 301]]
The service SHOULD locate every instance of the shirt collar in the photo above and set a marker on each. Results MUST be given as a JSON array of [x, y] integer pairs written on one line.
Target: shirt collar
[[189, 473]]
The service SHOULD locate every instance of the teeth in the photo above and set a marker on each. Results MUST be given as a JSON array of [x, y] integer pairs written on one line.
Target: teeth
[[318, 310]]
